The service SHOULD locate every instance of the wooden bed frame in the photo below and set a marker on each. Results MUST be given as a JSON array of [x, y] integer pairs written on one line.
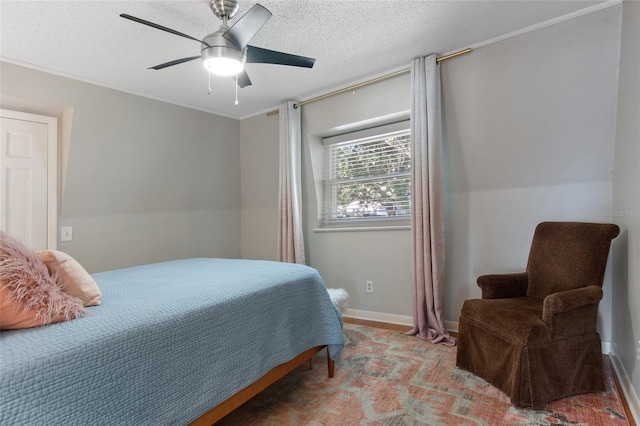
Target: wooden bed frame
[[273, 375]]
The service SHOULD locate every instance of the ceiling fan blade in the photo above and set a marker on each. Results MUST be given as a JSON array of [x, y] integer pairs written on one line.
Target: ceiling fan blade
[[265, 56], [174, 62], [243, 79], [248, 25], [159, 27]]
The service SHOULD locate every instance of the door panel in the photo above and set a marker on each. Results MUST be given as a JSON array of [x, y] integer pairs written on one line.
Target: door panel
[[24, 185]]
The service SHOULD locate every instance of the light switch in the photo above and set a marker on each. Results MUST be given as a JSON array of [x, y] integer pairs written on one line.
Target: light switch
[[66, 233]]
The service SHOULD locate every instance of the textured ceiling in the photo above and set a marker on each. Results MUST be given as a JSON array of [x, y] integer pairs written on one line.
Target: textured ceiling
[[350, 39]]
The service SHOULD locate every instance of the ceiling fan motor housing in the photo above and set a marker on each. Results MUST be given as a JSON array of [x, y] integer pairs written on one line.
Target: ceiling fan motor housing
[[216, 47]]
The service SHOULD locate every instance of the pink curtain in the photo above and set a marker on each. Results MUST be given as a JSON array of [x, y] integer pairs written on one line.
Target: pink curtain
[[290, 237], [427, 203]]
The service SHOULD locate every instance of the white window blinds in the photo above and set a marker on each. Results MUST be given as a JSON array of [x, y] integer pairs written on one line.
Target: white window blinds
[[367, 177]]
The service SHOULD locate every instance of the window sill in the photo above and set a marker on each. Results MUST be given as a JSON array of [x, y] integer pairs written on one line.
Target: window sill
[[363, 228]]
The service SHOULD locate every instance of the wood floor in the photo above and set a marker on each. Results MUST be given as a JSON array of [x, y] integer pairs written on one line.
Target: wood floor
[[405, 328]]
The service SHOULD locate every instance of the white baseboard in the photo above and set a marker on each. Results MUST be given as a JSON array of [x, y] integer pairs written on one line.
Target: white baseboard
[[452, 326], [390, 318], [378, 316], [627, 388]]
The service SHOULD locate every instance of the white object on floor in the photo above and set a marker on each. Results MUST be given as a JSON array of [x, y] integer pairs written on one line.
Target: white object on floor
[[339, 297]]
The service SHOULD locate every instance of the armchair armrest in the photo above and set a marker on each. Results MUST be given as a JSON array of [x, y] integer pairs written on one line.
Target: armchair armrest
[[500, 286], [564, 301]]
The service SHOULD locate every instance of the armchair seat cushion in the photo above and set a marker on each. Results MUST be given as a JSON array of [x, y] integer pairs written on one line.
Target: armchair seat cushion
[[517, 320]]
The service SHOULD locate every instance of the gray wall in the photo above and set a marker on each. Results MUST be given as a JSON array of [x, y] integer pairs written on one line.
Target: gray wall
[[145, 181], [259, 173], [530, 125], [348, 259], [529, 130], [626, 202]]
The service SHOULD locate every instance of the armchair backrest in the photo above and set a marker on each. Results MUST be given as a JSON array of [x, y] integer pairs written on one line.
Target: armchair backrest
[[568, 255]]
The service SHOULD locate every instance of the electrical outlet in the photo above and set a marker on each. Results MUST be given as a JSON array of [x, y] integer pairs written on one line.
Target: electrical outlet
[[369, 286], [66, 233]]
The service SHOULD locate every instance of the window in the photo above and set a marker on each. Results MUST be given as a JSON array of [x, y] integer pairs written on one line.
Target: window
[[367, 177]]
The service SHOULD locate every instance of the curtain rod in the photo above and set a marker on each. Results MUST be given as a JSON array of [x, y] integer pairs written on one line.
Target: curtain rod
[[368, 82]]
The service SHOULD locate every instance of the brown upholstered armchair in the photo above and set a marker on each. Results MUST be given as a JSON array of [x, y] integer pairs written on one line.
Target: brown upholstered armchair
[[533, 334]]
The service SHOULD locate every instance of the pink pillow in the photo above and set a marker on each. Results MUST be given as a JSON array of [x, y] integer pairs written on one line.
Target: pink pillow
[[29, 296], [72, 277]]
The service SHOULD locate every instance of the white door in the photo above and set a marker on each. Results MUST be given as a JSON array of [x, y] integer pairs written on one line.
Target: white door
[[28, 158]]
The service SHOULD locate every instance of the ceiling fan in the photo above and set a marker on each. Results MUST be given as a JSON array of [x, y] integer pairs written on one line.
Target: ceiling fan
[[225, 51]]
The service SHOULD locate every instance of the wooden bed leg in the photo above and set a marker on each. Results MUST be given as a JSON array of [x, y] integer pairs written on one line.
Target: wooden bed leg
[[331, 364]]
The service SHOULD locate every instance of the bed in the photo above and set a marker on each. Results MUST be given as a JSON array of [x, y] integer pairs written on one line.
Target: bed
[[176, 342]]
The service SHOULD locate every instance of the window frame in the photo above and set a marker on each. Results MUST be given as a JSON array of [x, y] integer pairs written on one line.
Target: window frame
[[329, 202]]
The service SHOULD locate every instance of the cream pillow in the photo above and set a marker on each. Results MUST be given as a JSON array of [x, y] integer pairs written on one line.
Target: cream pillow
[[72, 277]]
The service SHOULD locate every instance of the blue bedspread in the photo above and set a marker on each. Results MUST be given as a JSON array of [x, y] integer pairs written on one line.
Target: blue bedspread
[[170, 341]]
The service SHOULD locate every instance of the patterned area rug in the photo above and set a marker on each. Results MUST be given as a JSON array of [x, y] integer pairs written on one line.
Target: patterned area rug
[[387, 378]]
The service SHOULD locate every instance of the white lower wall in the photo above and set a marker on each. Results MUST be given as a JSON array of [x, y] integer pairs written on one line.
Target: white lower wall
[[628, 390], [116, 241], [626, 205], [490, 232]]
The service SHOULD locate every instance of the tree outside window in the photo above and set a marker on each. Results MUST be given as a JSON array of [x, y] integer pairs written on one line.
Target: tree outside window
[[368, 179]]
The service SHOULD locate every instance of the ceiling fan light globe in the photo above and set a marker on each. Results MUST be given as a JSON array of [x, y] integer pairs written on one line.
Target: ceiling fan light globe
[[223, 66], [222, 58]]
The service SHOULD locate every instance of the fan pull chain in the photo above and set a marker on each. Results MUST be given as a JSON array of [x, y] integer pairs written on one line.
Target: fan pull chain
[[236, 89], [209, 83]]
